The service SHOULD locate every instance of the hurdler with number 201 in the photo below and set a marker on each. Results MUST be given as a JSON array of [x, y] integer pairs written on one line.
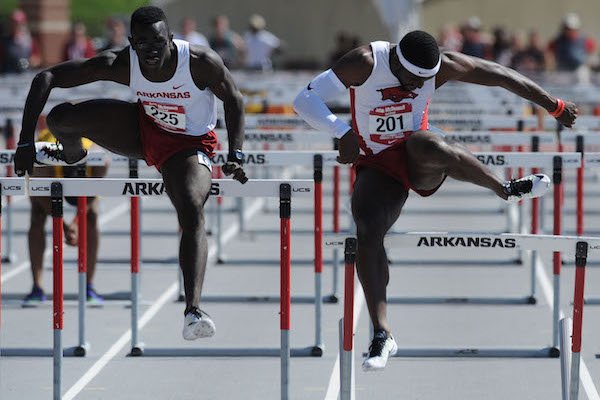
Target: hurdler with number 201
[[394, 150]]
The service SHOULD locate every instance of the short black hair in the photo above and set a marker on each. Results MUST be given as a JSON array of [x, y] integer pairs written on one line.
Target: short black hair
[[420, 49], [147, 16]]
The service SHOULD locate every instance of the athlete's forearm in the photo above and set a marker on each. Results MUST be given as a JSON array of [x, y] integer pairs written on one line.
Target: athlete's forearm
[[36, 100], [528, 89], [310, 104], [234, 119]]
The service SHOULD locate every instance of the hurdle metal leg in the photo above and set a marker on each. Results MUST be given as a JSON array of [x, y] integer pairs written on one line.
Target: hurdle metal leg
[[566, 332]]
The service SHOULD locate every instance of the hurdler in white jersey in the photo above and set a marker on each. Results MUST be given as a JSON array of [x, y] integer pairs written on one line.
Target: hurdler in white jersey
[[393, 150], [170, 126]]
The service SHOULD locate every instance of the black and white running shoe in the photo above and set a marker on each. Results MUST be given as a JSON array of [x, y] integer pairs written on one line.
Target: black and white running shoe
[[382, 346], [52, 154], [528, 187]]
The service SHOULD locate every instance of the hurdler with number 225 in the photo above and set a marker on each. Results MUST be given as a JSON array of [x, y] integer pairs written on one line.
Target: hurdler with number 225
[[394, 149], [170, 126]]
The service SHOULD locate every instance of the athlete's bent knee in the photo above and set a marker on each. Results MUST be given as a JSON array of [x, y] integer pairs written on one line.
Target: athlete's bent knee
[[426, 145], [58, 117]]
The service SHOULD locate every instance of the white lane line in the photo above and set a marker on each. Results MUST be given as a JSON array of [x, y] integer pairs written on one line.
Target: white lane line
[[333, 389], [585, 377], [148, 315], [104, 219], [119, 344]]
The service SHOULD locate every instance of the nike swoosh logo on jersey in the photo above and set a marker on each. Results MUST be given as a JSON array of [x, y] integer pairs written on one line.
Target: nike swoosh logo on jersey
[[177, 87]]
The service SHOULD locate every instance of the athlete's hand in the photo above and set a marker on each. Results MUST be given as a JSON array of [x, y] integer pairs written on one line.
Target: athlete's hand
[[24, 156], [568, 116], [232, 167], [349, 149]]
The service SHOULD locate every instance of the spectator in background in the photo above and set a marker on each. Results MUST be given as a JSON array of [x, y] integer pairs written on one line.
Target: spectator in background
[[501, 47], [228, 44], [19, 51], [528, 58], [79, 44], [189, 33], [571, 49], [450, 38], [116, 35], [473, 45], [344, 42], [260, 44]]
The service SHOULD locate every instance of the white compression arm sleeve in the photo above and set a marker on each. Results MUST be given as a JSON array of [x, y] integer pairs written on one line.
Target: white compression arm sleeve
[[310, 104]]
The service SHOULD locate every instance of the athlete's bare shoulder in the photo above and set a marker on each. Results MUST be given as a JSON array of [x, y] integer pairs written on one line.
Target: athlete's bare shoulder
[[354, 67], [454, 65], [117, 62], [205, 65]]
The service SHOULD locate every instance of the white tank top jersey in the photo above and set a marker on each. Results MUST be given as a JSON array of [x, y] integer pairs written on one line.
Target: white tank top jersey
[[382, 112], [177, 105]]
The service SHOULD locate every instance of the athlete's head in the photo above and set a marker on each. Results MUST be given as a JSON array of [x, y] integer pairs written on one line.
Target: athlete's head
[[419, 58], [150, 37]]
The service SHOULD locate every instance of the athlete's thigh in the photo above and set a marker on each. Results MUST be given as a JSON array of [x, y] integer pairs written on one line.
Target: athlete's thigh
[[377, 200], [187, 183], [112, 124]]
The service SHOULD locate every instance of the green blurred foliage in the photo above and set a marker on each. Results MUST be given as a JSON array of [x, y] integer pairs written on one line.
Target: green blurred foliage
[[6, 6], [91, 12], [95, 12]]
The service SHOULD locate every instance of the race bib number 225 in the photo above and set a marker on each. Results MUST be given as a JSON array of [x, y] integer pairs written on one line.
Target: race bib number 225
[[170, 117]]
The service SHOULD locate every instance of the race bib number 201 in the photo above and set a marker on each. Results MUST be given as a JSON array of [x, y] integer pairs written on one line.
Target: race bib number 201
[[170, 117], [389, 123]]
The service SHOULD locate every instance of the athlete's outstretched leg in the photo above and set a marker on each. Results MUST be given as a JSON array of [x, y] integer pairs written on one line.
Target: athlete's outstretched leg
[[430, 158], [188, 184], [112, 124]]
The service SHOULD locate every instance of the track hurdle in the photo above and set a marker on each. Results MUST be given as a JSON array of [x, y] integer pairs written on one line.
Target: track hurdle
[[480, 242], [18, 187], [570, 244], [572, 328], [57, 188]]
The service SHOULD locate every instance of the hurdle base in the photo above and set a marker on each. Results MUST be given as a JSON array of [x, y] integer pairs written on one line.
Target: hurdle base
[[592, 300], [317, 350], [312, 351], [180, 298], [10, 258], [39, 352], [221, 260], [257, 299], [454, 263], [137, 351], [81, 350], [547, 352], [463, 300], [331, 299]]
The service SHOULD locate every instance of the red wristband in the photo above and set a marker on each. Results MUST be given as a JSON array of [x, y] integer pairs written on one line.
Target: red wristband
[[560, 107]]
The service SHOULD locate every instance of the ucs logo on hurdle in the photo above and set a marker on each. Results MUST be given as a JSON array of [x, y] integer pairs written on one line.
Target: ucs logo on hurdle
[[155, 189]]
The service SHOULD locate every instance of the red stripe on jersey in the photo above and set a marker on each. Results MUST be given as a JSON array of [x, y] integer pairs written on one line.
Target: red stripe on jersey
[[361, 140], [425, 121]]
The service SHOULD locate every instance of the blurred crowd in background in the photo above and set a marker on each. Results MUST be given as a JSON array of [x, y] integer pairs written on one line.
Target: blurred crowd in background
[[569, 50]]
